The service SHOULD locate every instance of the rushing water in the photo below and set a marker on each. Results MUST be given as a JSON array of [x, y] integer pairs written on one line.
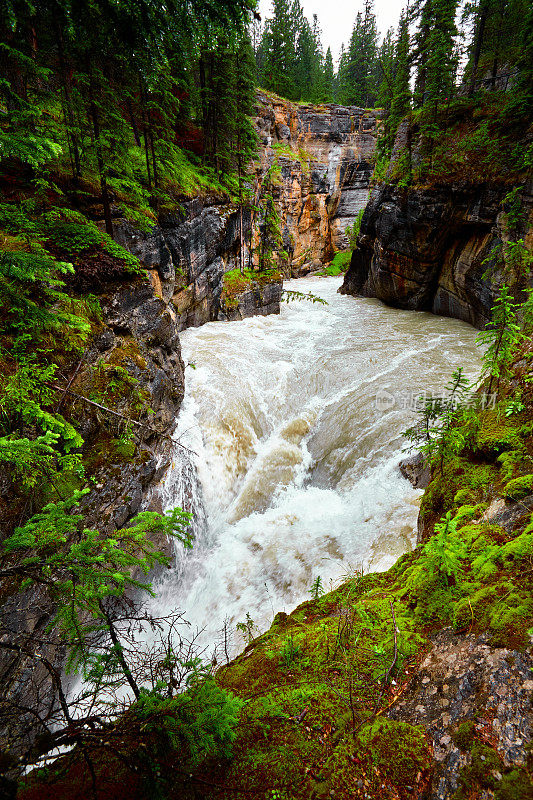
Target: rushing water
[[296, 423]]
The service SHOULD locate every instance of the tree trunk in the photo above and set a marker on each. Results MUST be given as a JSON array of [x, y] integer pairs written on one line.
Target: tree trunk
[[69, 116], [133, 124], [100, 160], [480, 31]]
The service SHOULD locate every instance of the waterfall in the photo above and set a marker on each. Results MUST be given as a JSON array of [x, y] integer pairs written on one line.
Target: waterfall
[[295, 425]]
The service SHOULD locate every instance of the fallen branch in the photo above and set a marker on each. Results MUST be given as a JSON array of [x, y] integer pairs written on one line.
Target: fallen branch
[[71, 381], [118, 414]]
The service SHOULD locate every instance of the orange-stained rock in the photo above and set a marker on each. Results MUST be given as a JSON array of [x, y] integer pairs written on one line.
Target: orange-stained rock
[[325, 154]]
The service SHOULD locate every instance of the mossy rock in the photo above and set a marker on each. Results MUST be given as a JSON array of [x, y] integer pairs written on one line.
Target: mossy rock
[[399, 750], [515, 785], [479, 772], [464, 735], [518, 488], [496, 434]]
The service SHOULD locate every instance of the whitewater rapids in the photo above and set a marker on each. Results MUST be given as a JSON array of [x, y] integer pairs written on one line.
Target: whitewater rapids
[[296, 424]]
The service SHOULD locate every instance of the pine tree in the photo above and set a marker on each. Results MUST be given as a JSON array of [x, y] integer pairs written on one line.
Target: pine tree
[[496, 40], [278, 50], [436, 52], [523, 91], [401, 93], [441, 55], [384, 71], [305, 72]]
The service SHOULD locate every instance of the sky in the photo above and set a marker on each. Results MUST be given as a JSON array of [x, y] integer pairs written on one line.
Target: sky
[[336, 17]]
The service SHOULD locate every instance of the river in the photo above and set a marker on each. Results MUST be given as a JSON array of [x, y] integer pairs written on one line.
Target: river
[[296, 425]]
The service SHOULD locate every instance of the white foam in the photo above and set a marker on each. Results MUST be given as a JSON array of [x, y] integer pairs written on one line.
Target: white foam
[[296, 473]]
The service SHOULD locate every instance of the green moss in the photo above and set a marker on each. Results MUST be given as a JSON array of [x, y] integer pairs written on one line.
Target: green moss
[[496, 434], [511, 461], [398, 750], [468, 512], [518, 488], [237, 282], [339, 265], [479, 771], [514, 785], [460, 481], [464, 735], [461, 497]]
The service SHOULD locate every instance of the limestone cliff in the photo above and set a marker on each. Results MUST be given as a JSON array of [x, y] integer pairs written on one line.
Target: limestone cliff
[[326, 166]]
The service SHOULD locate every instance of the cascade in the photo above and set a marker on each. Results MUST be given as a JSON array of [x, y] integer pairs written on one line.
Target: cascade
[[296, 422]]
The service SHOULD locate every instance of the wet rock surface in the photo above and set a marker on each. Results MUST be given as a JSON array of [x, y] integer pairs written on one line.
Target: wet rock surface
[[325, 170], [416, 470], [188, 255], [424, 249], [139, 335], [256, 301], [464, 679], [325, 166]]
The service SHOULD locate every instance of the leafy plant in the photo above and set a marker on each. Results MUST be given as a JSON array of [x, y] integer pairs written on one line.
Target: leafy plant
[[291, 652], [292, 294], [501, 337], [437, 432], [445, 549]]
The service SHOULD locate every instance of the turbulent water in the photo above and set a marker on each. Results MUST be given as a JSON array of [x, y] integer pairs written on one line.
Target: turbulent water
[[296, 421]]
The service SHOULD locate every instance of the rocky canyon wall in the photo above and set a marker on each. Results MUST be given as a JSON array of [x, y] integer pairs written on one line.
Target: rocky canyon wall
[[188, 254], [325, 155], [428, 246]]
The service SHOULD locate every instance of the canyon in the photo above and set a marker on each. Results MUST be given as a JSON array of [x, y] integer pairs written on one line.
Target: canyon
[[325, 157], [289, 429]]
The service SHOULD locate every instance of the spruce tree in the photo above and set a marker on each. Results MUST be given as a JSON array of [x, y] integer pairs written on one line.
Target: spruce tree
[[436, 52], [328, 83], [384, 71], [278, 50], [401, 93], [357, 86], [398, 87], [496, 41]]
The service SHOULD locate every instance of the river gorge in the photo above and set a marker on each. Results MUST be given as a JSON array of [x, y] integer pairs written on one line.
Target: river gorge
[[315, 566], [295, 422]]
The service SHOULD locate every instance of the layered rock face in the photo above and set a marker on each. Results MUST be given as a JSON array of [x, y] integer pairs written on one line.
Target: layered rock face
[[425, 248], [187, 256], [325, 165], [325, 154]]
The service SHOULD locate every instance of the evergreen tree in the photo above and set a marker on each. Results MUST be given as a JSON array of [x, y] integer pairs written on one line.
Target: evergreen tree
[[384, 71], [290, 57], [401, 92], [357, 86], [496, 41], [436, 52], [278, 50], [398, 86], [305, 72], [341, 76], [328, 83], [523, 90]]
